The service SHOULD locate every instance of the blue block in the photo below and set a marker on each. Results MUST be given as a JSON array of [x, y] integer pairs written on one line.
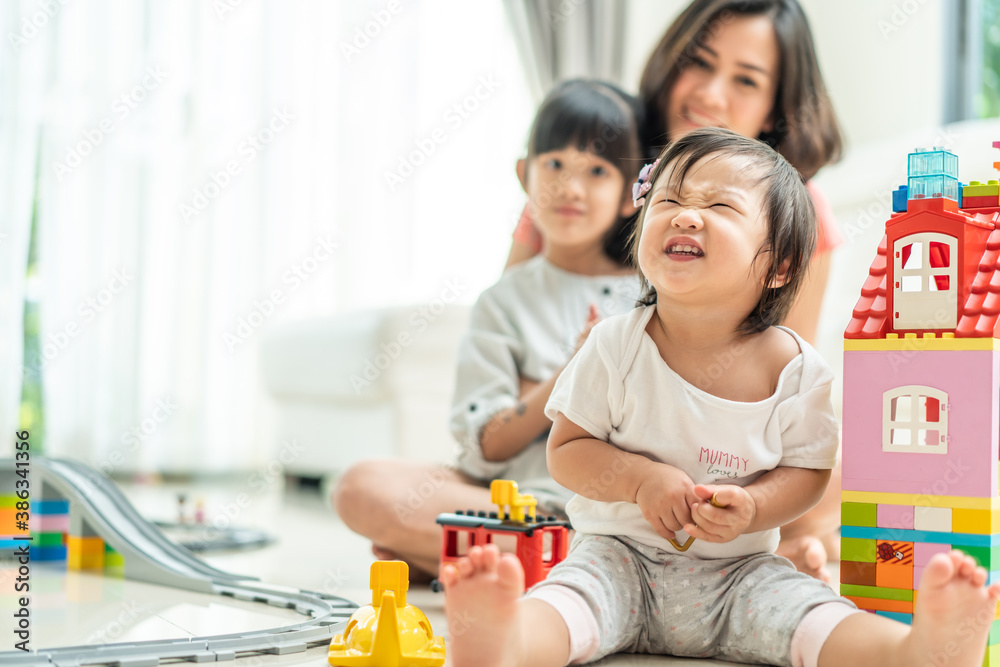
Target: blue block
[[41, 554], [6, 543], [899, 535], [961, 186], [896, 616], [50, 506], [899, 199]]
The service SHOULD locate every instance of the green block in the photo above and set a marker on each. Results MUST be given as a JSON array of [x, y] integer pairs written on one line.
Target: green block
[[8, 502], [114, 560], [992, 656], [877, 592], [994, 635], [47, 539], [977, 189], [988, 557], [858, 514], [856, 549]]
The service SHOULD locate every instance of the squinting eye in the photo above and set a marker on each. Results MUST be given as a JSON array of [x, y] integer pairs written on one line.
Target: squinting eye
[[598, 171], [722, 205], [750, 83], [553, 163], [700, 63]]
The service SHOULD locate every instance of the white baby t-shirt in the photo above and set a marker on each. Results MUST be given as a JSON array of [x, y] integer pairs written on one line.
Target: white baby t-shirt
[[619, 389]]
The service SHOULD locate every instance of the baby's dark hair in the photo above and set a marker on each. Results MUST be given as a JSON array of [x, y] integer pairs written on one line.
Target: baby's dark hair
[[791, 218], [600, 118]]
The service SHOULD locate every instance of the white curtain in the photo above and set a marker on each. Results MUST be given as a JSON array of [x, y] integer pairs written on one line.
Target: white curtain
[[209, 170], [23, 69], [562, 39]]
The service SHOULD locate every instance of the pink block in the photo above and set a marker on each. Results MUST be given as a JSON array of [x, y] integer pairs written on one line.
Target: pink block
[[971, 380], [50, 523], [917, 573], [922, 552], [894, 516]]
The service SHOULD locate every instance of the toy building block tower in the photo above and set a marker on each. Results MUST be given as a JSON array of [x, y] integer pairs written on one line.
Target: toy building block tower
[[921, 428]]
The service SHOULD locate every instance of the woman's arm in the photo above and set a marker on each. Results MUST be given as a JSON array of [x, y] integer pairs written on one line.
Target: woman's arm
[[803, 318], [526, 241], [519, 252]]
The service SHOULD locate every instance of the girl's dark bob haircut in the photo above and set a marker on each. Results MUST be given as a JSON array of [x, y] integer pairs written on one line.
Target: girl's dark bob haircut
[[791, 219], [805, 131], [599, 118]]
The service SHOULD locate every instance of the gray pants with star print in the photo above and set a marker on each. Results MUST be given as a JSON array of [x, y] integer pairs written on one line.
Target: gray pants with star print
[[646, 600]]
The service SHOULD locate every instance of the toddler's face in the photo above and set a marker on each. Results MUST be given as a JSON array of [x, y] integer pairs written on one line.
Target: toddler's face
[[575, 196], [731, 81], [700, 243]]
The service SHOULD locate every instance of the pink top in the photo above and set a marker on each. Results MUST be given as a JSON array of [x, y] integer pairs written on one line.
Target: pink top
[[828, 238]]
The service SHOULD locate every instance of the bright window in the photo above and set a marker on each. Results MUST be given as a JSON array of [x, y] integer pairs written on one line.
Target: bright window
[[915, 420]]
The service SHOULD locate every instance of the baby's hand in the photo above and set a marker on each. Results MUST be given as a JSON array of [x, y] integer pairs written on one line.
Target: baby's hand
[[664, 497], [721, 514]]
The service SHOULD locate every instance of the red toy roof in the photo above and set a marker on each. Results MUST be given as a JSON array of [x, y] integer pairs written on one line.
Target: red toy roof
[[869, 315], [982, 309], [979, 316]]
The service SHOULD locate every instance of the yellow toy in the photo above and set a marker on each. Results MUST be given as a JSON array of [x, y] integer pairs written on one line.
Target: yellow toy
[[388, 632], [503, 492]]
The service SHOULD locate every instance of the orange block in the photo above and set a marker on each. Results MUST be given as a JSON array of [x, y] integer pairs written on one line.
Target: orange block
[[876, 604], [894, 564], [8, 522]]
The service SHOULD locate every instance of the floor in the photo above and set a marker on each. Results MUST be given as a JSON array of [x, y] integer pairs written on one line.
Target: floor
[[313, 551]]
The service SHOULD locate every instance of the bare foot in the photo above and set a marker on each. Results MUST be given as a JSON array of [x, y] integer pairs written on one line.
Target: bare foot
[[808, 555], [418, 575], [482, 595], [953, 613]]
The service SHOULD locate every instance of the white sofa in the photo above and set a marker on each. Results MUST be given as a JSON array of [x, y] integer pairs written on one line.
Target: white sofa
[[363, 385], [308, 367]]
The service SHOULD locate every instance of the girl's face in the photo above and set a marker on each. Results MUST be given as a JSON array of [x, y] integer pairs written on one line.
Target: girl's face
[[731, 81], [575, 196], [699, 244]]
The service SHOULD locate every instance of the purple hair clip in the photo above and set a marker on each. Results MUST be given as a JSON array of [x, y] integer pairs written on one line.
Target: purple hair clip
[[643, 185]]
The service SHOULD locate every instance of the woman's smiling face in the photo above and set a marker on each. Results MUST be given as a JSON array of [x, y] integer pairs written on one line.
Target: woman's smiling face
[[730, 81]]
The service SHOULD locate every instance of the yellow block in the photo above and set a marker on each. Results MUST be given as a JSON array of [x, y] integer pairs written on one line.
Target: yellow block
[[892, 343], [979, 522], [84, 553], [920, 500]]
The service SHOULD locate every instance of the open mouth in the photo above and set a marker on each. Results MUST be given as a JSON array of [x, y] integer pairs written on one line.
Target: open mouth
[[685, 250]]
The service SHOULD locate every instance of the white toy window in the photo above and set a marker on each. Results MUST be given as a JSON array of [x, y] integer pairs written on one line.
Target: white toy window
[[915, 420], [925, 294]]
